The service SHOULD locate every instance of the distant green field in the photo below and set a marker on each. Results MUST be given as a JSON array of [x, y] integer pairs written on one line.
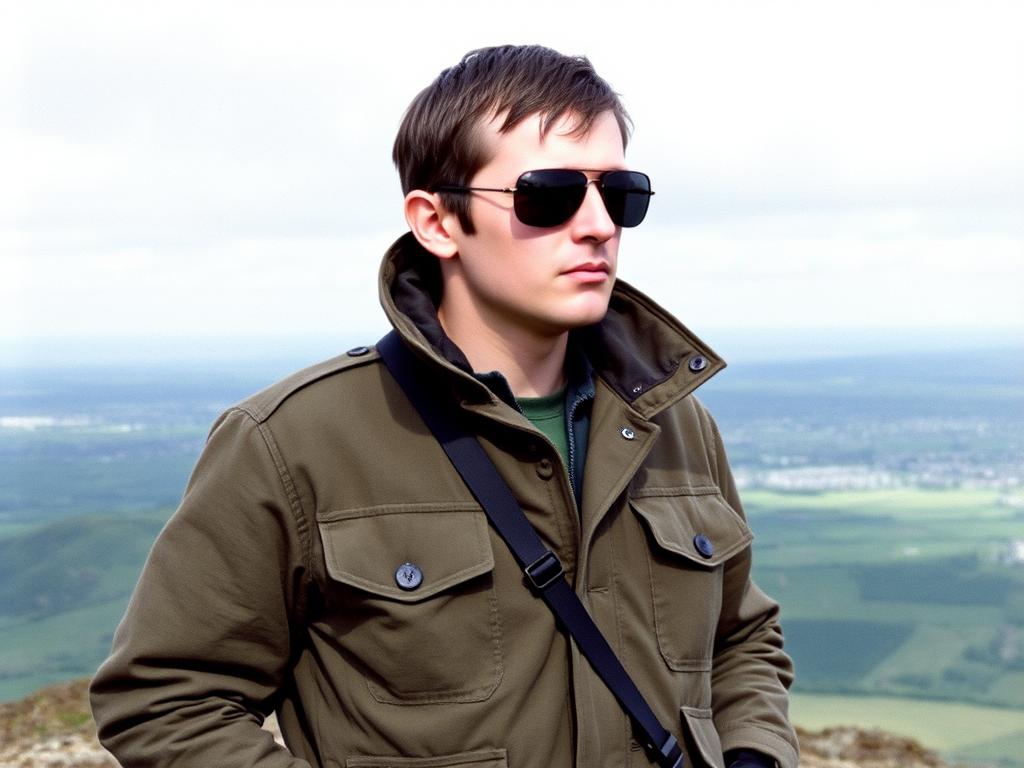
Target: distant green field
[[903, 593], [63, 588], [13, 529], [873, 640], [963, 732], [905, 503], [72, 644]]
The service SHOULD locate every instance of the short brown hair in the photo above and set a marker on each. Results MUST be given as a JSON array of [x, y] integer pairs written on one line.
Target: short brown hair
[[438, 140]]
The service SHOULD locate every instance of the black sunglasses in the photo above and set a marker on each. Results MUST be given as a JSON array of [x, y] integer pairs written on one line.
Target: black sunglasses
[[550, 197]]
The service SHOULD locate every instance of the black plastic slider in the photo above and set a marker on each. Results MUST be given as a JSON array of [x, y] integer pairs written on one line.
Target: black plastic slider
[[544, 571]]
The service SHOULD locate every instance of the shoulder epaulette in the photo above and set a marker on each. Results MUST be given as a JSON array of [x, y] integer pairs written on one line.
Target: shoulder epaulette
[[262, 404]]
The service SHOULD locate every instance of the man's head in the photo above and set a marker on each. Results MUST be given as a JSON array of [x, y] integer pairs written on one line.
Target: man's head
[[515, 175], [441, 140]]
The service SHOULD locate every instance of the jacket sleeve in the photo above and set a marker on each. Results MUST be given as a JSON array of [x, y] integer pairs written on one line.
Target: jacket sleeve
[[205, 643], [751, 674]]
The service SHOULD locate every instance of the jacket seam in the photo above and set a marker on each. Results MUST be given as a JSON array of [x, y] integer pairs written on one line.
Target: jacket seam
[[294, 503], [713, 443], [620, 650], [658, 491], [568, 548]]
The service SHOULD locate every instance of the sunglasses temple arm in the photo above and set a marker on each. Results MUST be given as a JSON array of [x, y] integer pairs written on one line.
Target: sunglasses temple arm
[[449, 188]]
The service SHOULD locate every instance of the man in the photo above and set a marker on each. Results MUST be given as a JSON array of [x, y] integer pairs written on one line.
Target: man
[[328, 562]]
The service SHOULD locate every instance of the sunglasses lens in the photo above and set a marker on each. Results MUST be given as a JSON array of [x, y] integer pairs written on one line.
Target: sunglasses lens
[[626, 196], [550, 197]]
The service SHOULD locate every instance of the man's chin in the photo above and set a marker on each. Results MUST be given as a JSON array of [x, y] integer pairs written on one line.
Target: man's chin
[[585, 319]]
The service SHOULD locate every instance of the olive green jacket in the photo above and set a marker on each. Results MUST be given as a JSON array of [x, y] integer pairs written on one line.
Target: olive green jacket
[[274, 586]]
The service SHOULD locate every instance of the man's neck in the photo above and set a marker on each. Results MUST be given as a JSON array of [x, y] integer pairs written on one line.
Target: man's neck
[[532, 364]]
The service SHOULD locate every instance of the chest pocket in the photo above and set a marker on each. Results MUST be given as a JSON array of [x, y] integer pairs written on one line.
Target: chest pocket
[[413, 601], [691, 536]]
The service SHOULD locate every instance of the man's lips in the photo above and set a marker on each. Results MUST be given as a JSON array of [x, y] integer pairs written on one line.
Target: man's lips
[[591, 267], [589, 273]]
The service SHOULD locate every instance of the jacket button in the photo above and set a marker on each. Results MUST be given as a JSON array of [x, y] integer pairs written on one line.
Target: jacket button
[[545, 469], [703, 545], [408, 576], [357, 351], [697, 363], [627, 433]]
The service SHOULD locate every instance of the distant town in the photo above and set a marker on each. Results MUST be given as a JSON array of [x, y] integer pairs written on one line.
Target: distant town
[[811, 451], [791, 476]]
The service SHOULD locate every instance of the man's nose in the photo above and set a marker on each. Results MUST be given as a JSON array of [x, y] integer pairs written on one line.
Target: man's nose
[[592, 219]]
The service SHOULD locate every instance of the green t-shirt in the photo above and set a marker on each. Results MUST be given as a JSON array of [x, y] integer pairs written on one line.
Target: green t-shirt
[[548, 415]]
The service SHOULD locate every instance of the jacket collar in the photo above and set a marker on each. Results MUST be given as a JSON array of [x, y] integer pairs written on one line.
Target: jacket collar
[[643, 353]]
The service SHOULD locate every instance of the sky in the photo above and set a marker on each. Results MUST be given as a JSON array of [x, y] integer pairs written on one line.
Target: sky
[[179, 171]]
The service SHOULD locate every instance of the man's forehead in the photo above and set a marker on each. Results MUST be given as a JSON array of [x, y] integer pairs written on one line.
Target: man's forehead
[[537, 132]]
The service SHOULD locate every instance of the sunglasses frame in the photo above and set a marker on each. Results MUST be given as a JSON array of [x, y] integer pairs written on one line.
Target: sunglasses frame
[[526, 195]]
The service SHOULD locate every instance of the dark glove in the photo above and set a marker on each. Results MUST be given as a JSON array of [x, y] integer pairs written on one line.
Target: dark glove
[[747, 758]]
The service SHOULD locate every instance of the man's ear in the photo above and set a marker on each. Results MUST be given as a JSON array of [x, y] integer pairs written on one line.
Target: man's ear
[[432, 225]]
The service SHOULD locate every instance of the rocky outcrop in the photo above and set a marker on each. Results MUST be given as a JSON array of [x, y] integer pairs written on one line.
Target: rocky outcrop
[[53, 729], [847, 747]]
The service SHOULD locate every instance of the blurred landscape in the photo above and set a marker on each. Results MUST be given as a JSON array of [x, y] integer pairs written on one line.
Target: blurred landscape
[[886, 493]]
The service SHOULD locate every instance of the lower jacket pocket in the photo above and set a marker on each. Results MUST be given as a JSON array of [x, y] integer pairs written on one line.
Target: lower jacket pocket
[[701, 741], [487, 758]]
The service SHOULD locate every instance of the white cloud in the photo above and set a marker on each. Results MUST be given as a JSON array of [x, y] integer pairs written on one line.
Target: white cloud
[[180, 166]]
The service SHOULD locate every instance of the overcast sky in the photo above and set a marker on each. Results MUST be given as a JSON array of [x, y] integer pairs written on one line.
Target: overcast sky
[[175, 168]]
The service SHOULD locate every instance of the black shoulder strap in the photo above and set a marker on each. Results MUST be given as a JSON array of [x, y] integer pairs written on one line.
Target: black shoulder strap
[[543, 569]]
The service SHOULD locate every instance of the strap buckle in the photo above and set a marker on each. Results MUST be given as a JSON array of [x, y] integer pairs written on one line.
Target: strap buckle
[[544, 571], [669, 754]]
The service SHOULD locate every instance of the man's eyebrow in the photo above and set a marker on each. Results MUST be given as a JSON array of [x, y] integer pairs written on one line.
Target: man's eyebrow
[[608, 169]]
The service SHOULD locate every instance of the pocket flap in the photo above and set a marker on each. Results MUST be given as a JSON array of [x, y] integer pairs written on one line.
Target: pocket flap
[[447, 544], [701, 527], [703, 736]]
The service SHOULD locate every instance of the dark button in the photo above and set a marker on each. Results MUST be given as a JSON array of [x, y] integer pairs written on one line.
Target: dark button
[[698, 363], [703, 545], [545, 469], [357, 351], [408, 576]]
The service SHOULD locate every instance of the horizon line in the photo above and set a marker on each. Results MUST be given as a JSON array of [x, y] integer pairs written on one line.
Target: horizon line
[[735, 343]]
